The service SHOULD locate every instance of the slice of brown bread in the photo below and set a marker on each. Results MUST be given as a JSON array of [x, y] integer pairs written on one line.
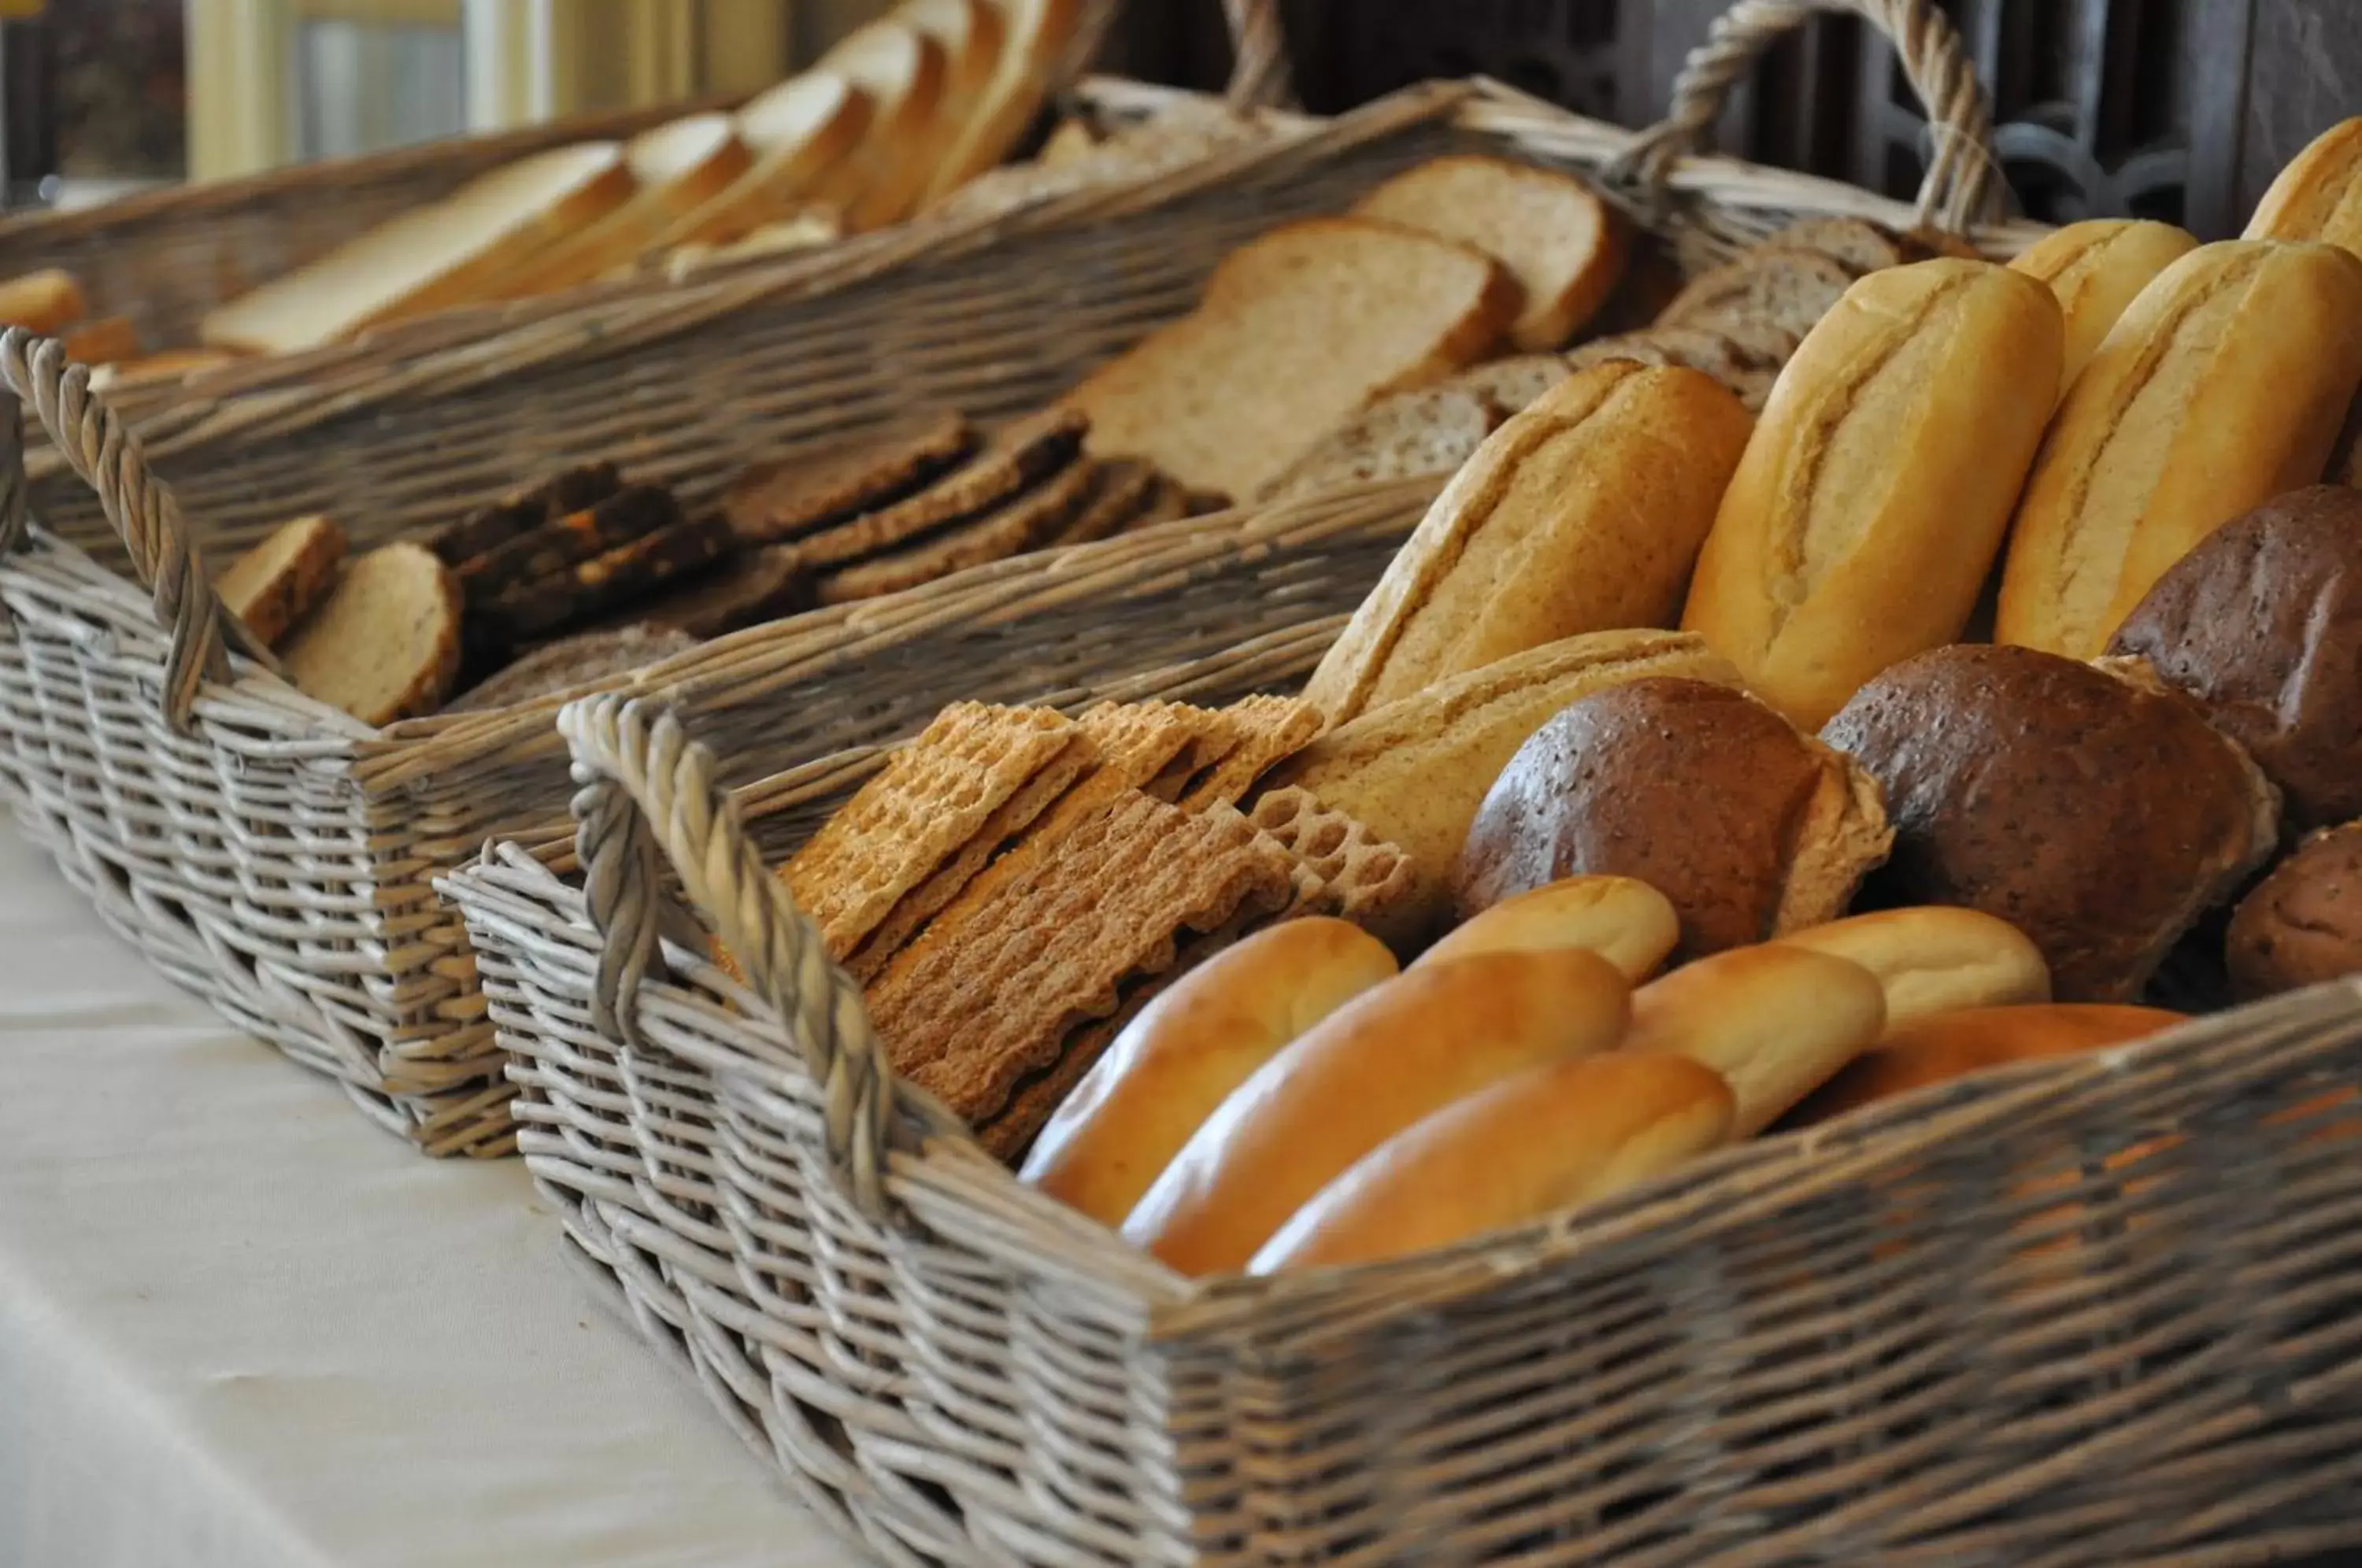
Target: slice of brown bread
[[1564, 245], [780, 501], [505, 519], [1298, 330], [1701, 348], [1516, 381], [546, 551], [1018, 457], [1011, 529], [384, 644], [1431, 431], [569, 662], [271, 585], [1789, 288], [1858, 244], [547, 605], [1121, 491], [745, 590]]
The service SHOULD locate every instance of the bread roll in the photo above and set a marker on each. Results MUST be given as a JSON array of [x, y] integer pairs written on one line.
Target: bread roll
[[2302, 924], [2096, 268], [2098, 816], [1872, 501], [1415, 771], [1551, 1139], [1173, 1065], [2224, 384], [1935, 959], [1939, 1047], [2316, 195], [1748, 827], [2261, 627], [1625, 921], [1583, 514], [1372, 1068], [46, 302], [1776, 1021]]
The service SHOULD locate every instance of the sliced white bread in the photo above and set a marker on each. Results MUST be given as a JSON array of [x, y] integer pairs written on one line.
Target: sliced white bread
[[1039, 33], [1299, 329], [807, 230], [384, 644], [971, 33], [902, 70], [679, 166], [800, 131], [1564, 245], [276, 582], [443, 254]]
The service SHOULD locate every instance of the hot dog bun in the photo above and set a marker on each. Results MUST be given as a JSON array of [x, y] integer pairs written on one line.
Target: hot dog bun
[[1622, 919], [1549, 1139], [1936, 1049], [1374, 1066], [1173, 1065], [1776, 1021], [1935, 958]]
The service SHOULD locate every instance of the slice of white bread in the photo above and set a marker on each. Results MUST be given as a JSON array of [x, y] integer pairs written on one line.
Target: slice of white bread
[[384, 644], [276, 582], [800, 131], [443, 254], [972, 33], [1564, 245], [902, 70], [1039, 33], [1299, 329], [679, 165]]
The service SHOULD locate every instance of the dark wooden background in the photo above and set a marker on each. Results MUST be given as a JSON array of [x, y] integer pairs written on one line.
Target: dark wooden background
[[2178, 109]]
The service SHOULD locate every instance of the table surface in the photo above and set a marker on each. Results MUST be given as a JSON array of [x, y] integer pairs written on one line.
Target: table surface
[[240, 1325]]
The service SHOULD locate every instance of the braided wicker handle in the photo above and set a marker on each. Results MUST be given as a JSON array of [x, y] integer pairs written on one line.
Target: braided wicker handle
[[1260, 77], [97, 446], [646, 789], [1960, 174]]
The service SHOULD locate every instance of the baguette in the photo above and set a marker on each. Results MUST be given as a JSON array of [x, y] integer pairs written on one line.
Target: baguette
[[1369, 1070], [1625, 921], [2315, 195], [1937, 1048], [1176, 1062], [1866, 513], [1776, 1021], [1583, 514], [2224, 384], [2096, 269], [1551, 1139], [1935, 958], [1417, 771]]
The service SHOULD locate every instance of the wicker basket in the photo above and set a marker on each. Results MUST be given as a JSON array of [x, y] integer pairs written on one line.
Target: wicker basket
[[277, 857]]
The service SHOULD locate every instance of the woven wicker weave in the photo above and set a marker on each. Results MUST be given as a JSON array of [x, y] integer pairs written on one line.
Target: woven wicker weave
[[277, 857]]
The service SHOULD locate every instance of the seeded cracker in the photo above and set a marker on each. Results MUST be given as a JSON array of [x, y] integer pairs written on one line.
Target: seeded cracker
[[1053, 950], [1271, 730], [930, 798], [780, 501], [1027, 451], [1352, 874], [1024, 522]]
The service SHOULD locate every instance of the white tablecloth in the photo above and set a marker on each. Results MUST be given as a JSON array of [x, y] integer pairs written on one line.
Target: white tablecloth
[[239, 1326]]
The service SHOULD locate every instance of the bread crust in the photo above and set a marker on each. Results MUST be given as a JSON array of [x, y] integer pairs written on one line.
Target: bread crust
[[2096, 269], [1622, 919], [1934, 959], [1938, 1047], [1871, 501], [2316, 195], [1776, 1023]]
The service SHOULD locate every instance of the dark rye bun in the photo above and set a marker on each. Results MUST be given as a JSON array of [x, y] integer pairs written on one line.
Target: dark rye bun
[[2302, 924], [1750, 828], [2261, 626], [2094, 810]]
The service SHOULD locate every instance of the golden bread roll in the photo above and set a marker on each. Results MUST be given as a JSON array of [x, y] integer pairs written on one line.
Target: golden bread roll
[[1583, 514], [1935, 958], [1623, 920], [1549, 1140], [2316, 195], [2224, 384], [46, 302], [1936, 1049], [1776, 1021], [1873, 500], [1173, 1065], [1415, 771], [2096, 268], [1372, 1068]]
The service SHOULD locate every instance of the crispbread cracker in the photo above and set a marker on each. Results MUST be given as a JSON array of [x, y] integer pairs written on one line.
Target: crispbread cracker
[[1271, 730], [1010, 463], [780, 501], [1009, 819], [930, 800], [1105, 902], [1123, 488], [1217, 738], [1027, 520], [1355, 875]]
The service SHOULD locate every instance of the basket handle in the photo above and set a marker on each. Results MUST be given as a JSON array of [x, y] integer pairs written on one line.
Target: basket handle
[[1959, 176], [645, 790], [1260, 74], [99, 447]]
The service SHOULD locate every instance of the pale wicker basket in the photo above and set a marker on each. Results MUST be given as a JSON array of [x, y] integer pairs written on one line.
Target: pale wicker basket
[[277, 857]]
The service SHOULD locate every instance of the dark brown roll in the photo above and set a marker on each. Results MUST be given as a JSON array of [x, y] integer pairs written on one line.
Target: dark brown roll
[[1750, 828], [2262, 625], [2092, 810], [2302, 924]]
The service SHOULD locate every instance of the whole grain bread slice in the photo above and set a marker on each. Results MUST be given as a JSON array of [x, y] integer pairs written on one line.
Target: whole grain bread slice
[[1299, 329], [384, 644], [1514, 382], [271, 585], [1431, 431], [1858, 244], [1790, 288]]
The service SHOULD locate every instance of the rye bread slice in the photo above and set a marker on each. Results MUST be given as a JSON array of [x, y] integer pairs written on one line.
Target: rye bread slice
[[488, 528], [569, 662], [744, 591], [1789, 288], [384, 644], [548, 549], [1514, 382], [780, 501], [1029, 520], [545, 606], [271, 585], [1015, 459], [1431, 431], [1857, 244], [1121, 490]]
